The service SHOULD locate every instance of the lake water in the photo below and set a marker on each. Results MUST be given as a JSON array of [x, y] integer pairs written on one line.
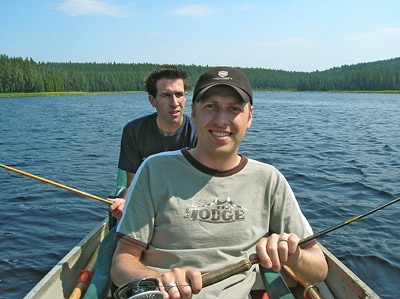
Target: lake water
[[339, 152]]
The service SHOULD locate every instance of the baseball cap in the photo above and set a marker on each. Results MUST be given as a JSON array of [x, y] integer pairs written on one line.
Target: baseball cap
[[225, 76]]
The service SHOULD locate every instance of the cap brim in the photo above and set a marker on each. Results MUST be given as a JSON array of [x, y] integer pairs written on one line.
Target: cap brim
[[242, 93]]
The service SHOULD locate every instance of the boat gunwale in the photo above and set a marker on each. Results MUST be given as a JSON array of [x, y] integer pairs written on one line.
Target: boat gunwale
[[338, 270], [70, 265]]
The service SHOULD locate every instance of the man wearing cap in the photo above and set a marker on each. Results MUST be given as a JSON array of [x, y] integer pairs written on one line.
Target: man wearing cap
[[194, 211]]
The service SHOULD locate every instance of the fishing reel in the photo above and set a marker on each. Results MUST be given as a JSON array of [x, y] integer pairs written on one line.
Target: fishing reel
[[145, 288]]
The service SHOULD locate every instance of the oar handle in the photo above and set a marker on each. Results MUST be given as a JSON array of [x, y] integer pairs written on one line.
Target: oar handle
[[85, 277], [212, 277], [309, 288]]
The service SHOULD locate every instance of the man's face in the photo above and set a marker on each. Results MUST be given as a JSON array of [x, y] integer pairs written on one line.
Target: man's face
[[170, 104], [221, 119]]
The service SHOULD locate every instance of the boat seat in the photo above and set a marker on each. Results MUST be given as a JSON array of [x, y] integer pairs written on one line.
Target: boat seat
[[122, 179]]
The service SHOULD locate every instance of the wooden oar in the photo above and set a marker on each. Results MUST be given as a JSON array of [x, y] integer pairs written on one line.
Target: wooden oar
[[85, 277], [57, 184], [309, 289]]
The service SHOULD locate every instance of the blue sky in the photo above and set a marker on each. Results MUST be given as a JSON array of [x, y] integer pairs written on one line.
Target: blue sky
[[305, 35]]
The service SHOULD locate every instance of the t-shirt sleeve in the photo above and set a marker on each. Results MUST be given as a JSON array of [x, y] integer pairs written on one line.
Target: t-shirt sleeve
[[286, 215], [129, 156], [137, 223]]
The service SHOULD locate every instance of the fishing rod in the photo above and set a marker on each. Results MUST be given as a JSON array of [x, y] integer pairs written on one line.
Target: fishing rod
[[351, 220], [302, 241], [57, 184], [207, 278], [255, 259]]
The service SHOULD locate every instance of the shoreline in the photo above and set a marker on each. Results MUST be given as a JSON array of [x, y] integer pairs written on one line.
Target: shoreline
[[63, 93], [79, 93]]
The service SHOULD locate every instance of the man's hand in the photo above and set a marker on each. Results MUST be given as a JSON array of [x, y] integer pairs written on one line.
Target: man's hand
[[180, 283], [117, 207], [278, 250], [307, 263]]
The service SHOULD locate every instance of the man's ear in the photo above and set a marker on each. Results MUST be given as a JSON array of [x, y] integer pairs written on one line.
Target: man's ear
[[152, 100], [192, 113], [250, 117]]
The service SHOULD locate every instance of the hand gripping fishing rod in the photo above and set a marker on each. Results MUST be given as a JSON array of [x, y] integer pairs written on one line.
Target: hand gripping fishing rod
[[57, 184]]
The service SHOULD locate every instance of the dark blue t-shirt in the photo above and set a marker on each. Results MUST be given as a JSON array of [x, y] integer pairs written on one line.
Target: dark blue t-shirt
[[142, 138]]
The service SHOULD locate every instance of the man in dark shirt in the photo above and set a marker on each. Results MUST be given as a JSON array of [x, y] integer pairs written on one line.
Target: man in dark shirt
[[165, 130]]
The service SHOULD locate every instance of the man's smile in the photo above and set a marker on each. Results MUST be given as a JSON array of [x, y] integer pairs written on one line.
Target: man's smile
[[220, 134]]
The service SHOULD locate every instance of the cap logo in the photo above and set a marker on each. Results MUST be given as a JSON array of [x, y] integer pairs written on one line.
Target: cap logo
[[223, 74]]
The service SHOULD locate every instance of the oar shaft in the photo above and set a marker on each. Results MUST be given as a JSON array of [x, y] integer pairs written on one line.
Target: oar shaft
[[57, 184], [351, 220]]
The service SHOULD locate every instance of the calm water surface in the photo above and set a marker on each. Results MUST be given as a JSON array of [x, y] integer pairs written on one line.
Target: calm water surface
[[340, 153]]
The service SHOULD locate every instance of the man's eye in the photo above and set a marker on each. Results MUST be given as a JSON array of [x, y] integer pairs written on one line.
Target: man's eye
[[236, 109], [178, 95]]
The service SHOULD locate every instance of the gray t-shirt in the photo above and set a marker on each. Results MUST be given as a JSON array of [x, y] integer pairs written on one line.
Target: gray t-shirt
[[184, 214]]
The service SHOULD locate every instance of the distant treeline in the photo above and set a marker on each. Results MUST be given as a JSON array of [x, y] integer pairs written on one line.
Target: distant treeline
[[18, 75]]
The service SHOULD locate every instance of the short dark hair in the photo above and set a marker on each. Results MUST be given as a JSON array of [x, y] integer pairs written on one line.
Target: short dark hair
[[165, 72]]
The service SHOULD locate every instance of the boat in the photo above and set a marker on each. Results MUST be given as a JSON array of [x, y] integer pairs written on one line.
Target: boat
[[61, 280], [71, 277]]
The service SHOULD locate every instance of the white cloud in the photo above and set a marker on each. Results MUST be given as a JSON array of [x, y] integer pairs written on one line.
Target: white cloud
[[384, 32], [244, 7], [296, 42], [192, 10], [93, 7]]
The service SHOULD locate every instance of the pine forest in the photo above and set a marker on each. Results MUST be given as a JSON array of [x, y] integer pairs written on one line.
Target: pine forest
[[18, 75]]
